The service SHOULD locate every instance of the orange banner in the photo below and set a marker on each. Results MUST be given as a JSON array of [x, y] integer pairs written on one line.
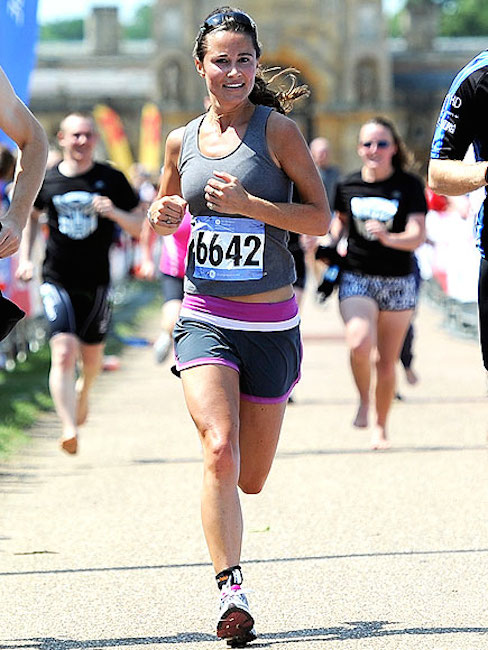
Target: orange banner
[[114, 137], [150, 139]]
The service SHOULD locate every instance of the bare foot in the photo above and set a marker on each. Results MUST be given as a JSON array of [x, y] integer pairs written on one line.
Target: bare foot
[[411, 376], [361, 419], [81, 405], [69, 445], [379, 439]]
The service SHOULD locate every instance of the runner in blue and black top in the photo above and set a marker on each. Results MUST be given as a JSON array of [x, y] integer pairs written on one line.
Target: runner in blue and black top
[[463, 122]]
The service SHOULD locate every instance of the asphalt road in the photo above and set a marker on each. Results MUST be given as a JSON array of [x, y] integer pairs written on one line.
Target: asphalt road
[[346, 548]]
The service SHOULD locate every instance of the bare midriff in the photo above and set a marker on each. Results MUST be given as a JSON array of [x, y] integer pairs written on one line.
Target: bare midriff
[[275, 295]]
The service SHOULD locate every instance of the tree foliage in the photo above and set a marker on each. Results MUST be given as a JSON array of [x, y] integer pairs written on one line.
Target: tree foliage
[[62, 30], [141, 26], [457, 17], [464, 18]]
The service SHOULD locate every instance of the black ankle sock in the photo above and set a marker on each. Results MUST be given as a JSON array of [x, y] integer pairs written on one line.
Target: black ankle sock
[[233, 572]]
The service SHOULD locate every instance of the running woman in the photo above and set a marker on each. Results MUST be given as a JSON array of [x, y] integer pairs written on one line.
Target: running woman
[[382, 210], [237, 341]]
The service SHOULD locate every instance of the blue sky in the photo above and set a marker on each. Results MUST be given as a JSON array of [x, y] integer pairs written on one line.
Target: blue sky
[[49, 10]]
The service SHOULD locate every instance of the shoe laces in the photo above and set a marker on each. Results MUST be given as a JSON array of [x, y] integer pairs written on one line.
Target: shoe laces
[[230, 591]]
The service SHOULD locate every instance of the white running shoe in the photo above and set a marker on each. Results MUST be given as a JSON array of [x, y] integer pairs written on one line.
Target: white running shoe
[[235, 624], [162, 347]]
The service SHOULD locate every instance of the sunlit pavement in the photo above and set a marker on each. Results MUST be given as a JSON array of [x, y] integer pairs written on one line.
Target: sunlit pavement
[[345, 548]]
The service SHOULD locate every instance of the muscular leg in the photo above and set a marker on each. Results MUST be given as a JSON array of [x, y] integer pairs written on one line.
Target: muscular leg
[[212, 396], [238, 449], [64, 354], [90, 367], [360, 315], [260, 427], [169, 315], [392, 327]]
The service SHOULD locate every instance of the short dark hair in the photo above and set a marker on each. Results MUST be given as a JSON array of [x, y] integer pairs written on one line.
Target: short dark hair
[[83, 114]]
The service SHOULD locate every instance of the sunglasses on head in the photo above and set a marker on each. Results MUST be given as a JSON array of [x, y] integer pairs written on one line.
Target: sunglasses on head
[[381, 144], [237, 16]]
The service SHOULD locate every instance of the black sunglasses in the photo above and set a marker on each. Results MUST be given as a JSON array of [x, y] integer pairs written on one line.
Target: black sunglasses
[[237, 16], [381, 144]]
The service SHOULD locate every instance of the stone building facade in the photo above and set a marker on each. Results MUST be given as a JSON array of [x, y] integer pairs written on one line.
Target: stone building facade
[[340, 48]]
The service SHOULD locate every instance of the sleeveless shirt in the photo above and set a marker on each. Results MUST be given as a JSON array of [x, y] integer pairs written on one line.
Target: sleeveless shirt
[[233, 255]]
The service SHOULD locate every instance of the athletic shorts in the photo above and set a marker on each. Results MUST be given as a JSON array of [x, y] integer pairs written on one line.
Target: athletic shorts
[[391, 293], [84, 312], [261, 341], [483, 309], [171, 287]]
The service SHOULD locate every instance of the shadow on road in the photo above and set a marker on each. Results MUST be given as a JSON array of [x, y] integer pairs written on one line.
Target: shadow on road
[[346, 631], [311, 558]]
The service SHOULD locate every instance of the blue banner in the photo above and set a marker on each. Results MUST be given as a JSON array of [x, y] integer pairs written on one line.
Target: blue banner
[[18, 39]]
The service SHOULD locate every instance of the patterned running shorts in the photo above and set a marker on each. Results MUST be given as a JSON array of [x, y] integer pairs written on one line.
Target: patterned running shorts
[[391, 293]]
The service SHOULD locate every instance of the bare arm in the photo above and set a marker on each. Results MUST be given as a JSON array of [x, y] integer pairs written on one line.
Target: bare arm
[[129, 221], [455, 177], [146, 241], [25, 268], [167, 211], [19, 124], [338, 229], [286, 143], [408, 240]]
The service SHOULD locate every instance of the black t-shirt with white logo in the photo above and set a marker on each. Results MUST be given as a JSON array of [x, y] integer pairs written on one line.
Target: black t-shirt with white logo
[[79, 239], [390, 201]]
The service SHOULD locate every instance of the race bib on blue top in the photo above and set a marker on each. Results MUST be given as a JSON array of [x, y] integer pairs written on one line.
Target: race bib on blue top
[[228, 248]]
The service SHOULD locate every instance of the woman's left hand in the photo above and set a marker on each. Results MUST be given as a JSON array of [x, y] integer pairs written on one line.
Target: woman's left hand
[[377, 229], [224, 193]]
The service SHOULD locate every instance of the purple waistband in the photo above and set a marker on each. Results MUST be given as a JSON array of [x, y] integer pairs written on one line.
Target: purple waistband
[[245, 311]]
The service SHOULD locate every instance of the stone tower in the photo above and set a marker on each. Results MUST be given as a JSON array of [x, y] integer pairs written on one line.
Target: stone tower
[[339, 46]]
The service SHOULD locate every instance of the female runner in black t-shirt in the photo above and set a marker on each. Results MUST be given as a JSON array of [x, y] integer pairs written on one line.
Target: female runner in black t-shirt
[[382, 208]]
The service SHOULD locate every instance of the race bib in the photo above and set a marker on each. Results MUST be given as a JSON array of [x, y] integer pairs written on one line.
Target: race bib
[[228, 248]]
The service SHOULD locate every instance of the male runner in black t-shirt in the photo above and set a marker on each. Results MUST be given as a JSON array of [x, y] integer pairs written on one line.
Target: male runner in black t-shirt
[[84, 201], [463, 121]]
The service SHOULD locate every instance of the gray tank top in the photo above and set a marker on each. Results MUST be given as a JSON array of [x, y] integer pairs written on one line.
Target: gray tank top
[[232, 255]]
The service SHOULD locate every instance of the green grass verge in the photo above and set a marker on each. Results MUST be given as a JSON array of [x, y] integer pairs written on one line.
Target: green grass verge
[[23, 394], [24, 391]]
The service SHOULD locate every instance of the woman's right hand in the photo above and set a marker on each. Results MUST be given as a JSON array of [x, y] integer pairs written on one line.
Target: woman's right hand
[[25, 270], [166, 214]]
